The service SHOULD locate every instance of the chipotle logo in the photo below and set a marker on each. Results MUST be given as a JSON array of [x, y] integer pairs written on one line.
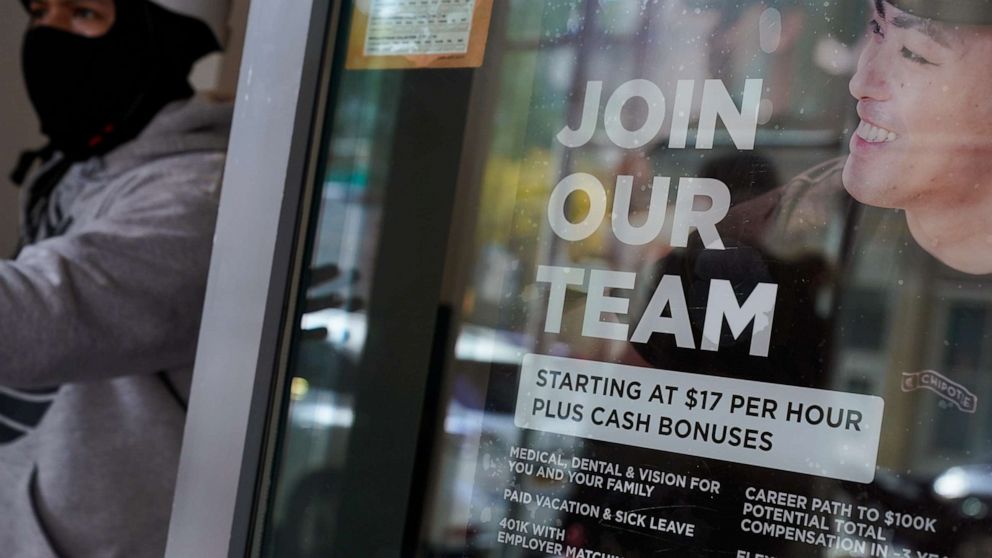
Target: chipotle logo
[[936, 382]]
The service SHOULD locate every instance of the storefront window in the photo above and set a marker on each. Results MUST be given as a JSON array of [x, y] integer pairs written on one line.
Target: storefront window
[[681, 278]]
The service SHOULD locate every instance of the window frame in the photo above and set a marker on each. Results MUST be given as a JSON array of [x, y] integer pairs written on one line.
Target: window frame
[[253, 275]]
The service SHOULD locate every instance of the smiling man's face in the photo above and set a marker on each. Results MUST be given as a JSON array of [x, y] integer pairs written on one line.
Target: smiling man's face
[[923, 91]]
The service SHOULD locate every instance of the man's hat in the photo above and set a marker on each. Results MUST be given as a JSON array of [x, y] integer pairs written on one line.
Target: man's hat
[[963, 12], [212, 12]]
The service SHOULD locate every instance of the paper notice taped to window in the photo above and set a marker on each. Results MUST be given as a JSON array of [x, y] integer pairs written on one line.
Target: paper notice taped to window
[[411, 34]]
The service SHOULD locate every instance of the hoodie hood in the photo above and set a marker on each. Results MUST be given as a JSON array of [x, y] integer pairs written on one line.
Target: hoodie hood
[[182, 127], [93, 94], [214, 13], [183, 132]]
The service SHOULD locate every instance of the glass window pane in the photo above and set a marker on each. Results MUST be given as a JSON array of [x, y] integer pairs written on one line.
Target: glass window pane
[[654, 278]]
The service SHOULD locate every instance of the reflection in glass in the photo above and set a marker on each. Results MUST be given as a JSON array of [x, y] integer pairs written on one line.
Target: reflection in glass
[[860, 301]]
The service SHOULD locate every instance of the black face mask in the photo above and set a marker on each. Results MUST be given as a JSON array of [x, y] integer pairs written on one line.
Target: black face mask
[[93, 94]]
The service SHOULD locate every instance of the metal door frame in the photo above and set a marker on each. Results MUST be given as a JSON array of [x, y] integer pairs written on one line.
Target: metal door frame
[[252, 274]]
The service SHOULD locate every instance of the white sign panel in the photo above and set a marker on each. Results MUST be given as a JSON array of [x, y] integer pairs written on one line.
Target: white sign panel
[[810, 431]]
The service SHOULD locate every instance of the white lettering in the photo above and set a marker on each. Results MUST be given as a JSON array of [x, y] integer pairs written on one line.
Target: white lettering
[[590, 112], [704, 221], [615, 130], [741, 125], [557, 216], [655, 222], [759, 308], [597, 303], [559, 278], [669, 294]]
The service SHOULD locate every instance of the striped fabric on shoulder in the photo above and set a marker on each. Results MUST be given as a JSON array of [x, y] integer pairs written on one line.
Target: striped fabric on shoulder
[[21, 411]]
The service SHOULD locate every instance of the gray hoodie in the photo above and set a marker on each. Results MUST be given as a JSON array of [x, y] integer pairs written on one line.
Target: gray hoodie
[[98, 338]]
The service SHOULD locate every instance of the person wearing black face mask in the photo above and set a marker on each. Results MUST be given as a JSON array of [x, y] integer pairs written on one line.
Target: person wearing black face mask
[[94, 93], [100, 306]]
